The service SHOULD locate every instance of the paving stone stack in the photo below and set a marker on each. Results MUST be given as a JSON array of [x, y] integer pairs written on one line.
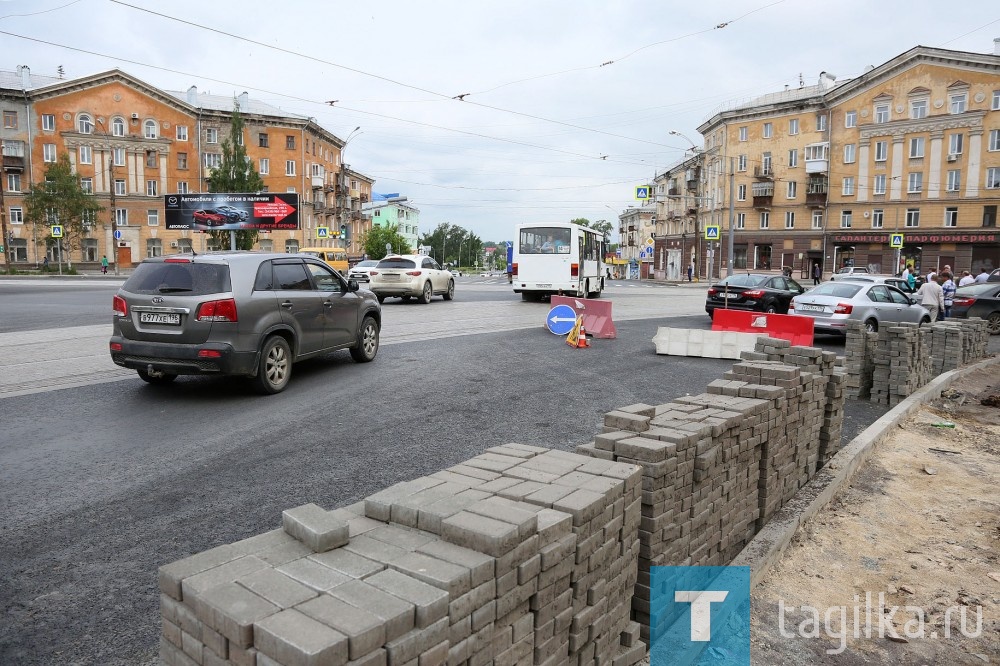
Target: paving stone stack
[[521, 555], [897, 363], [859, 353]]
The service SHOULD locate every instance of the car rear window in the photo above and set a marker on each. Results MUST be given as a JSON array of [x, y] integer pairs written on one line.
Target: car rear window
[[368, 263], [744, 280], [397, 263], [191, 278], [976, 289], [836, 289]]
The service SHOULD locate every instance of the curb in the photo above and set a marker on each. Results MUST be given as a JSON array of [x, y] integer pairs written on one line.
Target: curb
[[767, 547]]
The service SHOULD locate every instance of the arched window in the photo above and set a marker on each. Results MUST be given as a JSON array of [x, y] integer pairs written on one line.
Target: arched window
[[151, 129], [118, 127], [85, 124]]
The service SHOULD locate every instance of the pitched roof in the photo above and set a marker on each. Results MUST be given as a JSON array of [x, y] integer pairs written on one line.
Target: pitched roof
[[12, 81], [225, 103]]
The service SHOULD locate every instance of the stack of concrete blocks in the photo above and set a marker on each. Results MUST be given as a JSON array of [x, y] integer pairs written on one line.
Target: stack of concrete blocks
[[518, 556], [898, 362], [859, 353], [975, 337], [707, 344]]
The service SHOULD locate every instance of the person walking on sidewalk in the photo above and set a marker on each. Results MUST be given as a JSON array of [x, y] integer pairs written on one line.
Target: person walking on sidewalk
[[817, 273], [691, 271], [948, 289], [104, 264], [932, 298]]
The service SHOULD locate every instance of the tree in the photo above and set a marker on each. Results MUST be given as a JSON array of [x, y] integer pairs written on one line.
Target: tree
[[60, 199], [582, 221], [452, 244], [374, 241], [604, 227], [236, 173]]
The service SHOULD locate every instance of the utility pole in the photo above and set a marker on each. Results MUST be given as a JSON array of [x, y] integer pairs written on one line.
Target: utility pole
[[111, 195], [5, 240], [732, 214]]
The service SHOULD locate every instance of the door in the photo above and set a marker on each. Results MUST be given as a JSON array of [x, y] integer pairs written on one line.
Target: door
[[340, 307], [888, 311], [906, 312], [301, 306]]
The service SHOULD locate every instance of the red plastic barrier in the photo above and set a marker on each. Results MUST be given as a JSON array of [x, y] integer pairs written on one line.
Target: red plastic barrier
[[796, 329], [596, 314]]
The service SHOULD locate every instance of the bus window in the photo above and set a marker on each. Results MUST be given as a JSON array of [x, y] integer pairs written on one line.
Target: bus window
[[545, 240]]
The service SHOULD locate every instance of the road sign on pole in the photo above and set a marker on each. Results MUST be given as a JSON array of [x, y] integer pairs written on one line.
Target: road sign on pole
[[712, 232], [642, 192], [118, 234], [560, 320], [57, 231], [896, 240]]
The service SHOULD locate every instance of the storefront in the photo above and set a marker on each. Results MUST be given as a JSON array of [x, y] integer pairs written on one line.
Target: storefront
[[924, 251]]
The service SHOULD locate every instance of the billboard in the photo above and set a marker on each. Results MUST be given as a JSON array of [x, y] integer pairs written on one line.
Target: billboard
[[220, 211]]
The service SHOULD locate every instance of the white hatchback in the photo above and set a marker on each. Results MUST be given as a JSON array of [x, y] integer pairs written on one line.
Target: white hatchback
[[411, 276]]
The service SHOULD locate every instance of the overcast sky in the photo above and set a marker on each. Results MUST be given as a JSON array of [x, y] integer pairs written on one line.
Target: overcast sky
[[568, 105]]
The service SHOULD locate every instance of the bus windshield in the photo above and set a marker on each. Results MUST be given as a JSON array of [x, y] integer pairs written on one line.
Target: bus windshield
[[545, 240]]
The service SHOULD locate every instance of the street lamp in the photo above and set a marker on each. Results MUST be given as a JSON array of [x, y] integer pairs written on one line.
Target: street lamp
[[693, 148], [355, 133], [111, 193]]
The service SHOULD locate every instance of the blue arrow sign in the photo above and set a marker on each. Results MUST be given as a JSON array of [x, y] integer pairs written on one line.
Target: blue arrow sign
[[560, 320], [118, 234], [711, 232]]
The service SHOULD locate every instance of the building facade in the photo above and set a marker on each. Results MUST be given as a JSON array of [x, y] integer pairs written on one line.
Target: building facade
[[404, 217], [131, 143], [636, 226]]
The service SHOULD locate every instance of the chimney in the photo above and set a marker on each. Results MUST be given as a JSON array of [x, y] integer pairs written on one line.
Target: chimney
[[244, 101], [25, 73], [192, 96], [996, 46]]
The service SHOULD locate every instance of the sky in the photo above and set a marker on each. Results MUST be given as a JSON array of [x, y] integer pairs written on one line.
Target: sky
[[487, 114]]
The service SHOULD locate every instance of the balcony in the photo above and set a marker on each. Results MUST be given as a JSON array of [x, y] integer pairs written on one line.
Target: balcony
[[763, 201], [317, 182], [692, 185], [817, 166], [818, 157], [763, 171], [673, 192], [816, 189], [364, 197]]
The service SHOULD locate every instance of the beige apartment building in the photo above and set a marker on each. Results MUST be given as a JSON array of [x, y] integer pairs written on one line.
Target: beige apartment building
[[827, 173], [132, 143]]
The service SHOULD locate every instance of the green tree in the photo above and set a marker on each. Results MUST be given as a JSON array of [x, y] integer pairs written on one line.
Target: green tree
[[59, 199], [452, 244], [604, 227], [236, 173], [374, 241], [582, 221]]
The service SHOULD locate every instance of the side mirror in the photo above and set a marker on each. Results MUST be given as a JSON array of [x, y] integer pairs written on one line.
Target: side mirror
[[352, 285], [913, 301]]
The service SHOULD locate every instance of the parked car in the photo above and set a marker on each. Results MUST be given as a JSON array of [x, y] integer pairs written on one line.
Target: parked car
[[411, 276], [209, 217], [979, 300], [849, 270], [455, 272], [751, 291], [833, 304], [891, 280], [239, 313], [232, 214], [360, 271], [994, 276]]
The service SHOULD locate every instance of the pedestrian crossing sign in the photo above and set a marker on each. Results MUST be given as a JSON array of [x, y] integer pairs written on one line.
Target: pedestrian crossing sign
[[322, 232], [896, 240], [642, 192], [712, 232], [57, 231]]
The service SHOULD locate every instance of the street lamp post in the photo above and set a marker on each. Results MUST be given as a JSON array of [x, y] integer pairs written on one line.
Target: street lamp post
[[344, 214], [111, 194]]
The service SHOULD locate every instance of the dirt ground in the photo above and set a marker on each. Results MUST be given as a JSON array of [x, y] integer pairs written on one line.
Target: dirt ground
[[920, 525]]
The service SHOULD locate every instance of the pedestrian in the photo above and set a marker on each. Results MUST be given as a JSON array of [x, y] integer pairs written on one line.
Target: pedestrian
[[45, 263], [931, 275], [931, 297], [910, 276], [104, 264], [817, 273], [691, 271], [983, 277], [966, 280], [948, 288]]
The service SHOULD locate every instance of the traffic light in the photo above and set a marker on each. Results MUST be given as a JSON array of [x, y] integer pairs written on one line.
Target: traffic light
[[343, 230]]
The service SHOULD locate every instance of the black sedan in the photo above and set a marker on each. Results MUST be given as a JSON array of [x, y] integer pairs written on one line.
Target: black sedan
[[751, 291], [979, 300]]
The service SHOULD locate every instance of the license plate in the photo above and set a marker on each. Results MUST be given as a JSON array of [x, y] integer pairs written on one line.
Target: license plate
[[390, 277], [811, 308], [727, 295], [160, 318]]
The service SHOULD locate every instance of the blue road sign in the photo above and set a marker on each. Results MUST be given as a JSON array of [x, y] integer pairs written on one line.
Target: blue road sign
[[118, 234], [896, 240], [57, 231], [560, 320], [712, 232], [642, 192]]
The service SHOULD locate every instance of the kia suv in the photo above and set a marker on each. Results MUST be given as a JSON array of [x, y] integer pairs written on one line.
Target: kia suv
[[248, 314]]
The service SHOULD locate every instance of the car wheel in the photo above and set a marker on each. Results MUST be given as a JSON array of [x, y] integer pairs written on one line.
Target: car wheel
[[275, 366], [367, 342], [871, 326], [925, 320], [425, 296], [380, 297], [450, 294], [993, 323], [771, 308], [157, 378]]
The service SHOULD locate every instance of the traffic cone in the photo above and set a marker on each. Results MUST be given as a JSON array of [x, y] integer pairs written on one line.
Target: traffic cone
[[583, 341]]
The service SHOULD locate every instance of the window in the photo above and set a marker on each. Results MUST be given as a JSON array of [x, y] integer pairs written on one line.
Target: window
[[150, 188], [154, 247], [211, 135], [49, 152], [765, 164], [16, 215], [120, 186], [912, 217], [789, 219], [993, 178], [851, 119], [881, 151], [291, 246], [793, 126], [881, 113], [917, 146], [848, 186], [213, 160], [152, 217], [182, 132], [262, 140], [957, 102], [955, 144], [85, 124], [793, 157], [741, 192], [117, 127], [741, 163], [182, 187], [878, 218], [740, 257], [118, 156], [820, 123], [817, 219], [289, 167], [265, 166], [10, 119], [954, 180], [150, 129], [48, 122], [744, 132], [290, 141], [151, 159], [289, 189], [13, 182], [995, 106], [121, 217], [741, 220], [951, 217], [266, 245], [767, 131], [845, 219], [918, 108], [182, 160], [915, 182], [994, 140], [239, 138], [792, 189], [849, 153], [87, 185], [765, 219], [879, 185]]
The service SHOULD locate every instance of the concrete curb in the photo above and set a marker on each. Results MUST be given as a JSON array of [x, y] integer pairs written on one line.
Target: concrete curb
[[767, 547]]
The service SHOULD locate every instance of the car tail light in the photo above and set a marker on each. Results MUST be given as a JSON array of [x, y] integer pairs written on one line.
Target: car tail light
[[574, 270], [224, 310], [372, 272], [963, 301], [209, 353], [753, 293], [116, 346], [119, 306], [413, 273], [177, 261], [843, 308], [712, 291], [513, 269]]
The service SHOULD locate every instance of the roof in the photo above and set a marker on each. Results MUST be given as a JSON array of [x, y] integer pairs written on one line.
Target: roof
[[225, 103], [12, 80]]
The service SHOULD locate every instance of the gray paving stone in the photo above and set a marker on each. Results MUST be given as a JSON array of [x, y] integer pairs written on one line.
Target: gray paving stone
[[479, 533], [294, 639], [430, 602], [348, 563], [481, 566], [365, 632], [278, 588], [232, 610], [313, 574], [452, 578], [397, 615], [319, 529]]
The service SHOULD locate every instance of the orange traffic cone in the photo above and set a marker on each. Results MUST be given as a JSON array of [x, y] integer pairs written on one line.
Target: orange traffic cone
[[583, 341]]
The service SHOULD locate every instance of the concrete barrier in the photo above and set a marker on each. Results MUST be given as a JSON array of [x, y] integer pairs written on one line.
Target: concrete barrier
[[706, 344]]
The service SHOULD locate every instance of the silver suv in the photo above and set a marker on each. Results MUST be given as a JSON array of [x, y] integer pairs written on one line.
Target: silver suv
[[239, 313]]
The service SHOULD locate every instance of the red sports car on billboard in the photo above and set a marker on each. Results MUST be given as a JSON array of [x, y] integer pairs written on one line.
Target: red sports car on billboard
[[209, 217]]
